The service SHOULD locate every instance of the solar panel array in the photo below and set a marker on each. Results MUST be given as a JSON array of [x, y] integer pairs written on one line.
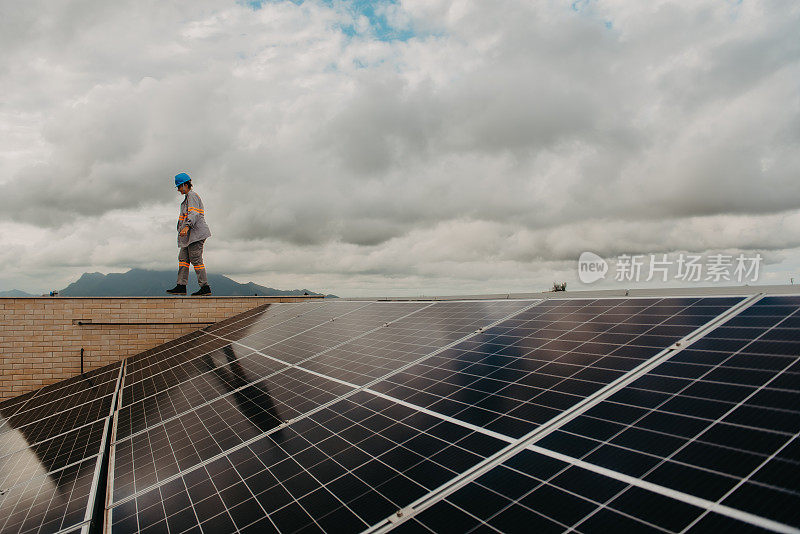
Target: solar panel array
[[646, 414], [52, 442]]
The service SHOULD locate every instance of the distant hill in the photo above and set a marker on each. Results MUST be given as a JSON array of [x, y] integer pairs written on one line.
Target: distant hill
[[16, 293], [146, 283]]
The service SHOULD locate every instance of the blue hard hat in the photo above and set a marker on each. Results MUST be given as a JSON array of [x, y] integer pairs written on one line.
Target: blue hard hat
[[181, 178]]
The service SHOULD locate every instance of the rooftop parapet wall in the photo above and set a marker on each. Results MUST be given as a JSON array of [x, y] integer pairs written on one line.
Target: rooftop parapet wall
[[41, 338]]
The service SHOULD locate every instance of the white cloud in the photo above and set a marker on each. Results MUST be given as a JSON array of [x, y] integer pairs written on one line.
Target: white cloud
[[483, 154]]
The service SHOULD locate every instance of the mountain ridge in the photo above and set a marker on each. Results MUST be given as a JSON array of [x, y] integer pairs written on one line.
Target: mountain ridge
[[148, 283], [16, 293]]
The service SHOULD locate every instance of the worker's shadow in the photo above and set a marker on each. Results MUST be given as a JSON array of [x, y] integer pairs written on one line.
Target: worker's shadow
[[254, 400]]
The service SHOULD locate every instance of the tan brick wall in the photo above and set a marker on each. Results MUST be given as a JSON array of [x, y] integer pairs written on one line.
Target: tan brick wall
[[40, 340]]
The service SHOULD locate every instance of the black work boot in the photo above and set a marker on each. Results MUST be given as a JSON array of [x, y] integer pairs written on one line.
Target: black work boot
[[204, 290], [179, 289]]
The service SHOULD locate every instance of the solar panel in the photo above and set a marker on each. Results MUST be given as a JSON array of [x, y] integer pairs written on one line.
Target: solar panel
[[673, 414], [263, 317], [62, 395], [193, 360], [55, 424], [51, 455], [53, 411], [524, 371], [266, 315], [11, 406], [320, 338], [259, 337], [536, 493], [63, 400], [718, 420], [180, 442], [51, 502], [198, 380], [219, 379], [380, 352], [177, 360], [341, 469]]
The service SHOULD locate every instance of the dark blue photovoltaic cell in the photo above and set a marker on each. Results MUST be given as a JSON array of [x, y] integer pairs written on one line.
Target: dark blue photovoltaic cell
[[51, 455], [182, 442], [218, 380], [16, 438], [260, 317], [340, 470], [372, 356], [170, 367], [49, 503], [713, 422], [531, 492], [346, 327], [184, 362], [59, 397], [69, 398], [258, 337], [199, 380], [528, 369]]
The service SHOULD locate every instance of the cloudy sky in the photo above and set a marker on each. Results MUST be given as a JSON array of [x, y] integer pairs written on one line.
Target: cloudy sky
[[398, 147]]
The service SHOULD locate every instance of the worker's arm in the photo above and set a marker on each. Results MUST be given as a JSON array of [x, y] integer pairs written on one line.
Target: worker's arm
[[195, 208]]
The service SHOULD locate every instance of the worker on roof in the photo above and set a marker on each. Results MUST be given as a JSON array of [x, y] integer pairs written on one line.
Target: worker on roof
[[192, 234]]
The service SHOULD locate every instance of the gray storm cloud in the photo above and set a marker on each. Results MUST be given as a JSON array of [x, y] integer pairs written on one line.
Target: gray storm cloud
[[496, 143]]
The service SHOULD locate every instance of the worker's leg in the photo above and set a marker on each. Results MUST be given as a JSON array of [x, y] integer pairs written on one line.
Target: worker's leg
[[196, 257], [183, 266]]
